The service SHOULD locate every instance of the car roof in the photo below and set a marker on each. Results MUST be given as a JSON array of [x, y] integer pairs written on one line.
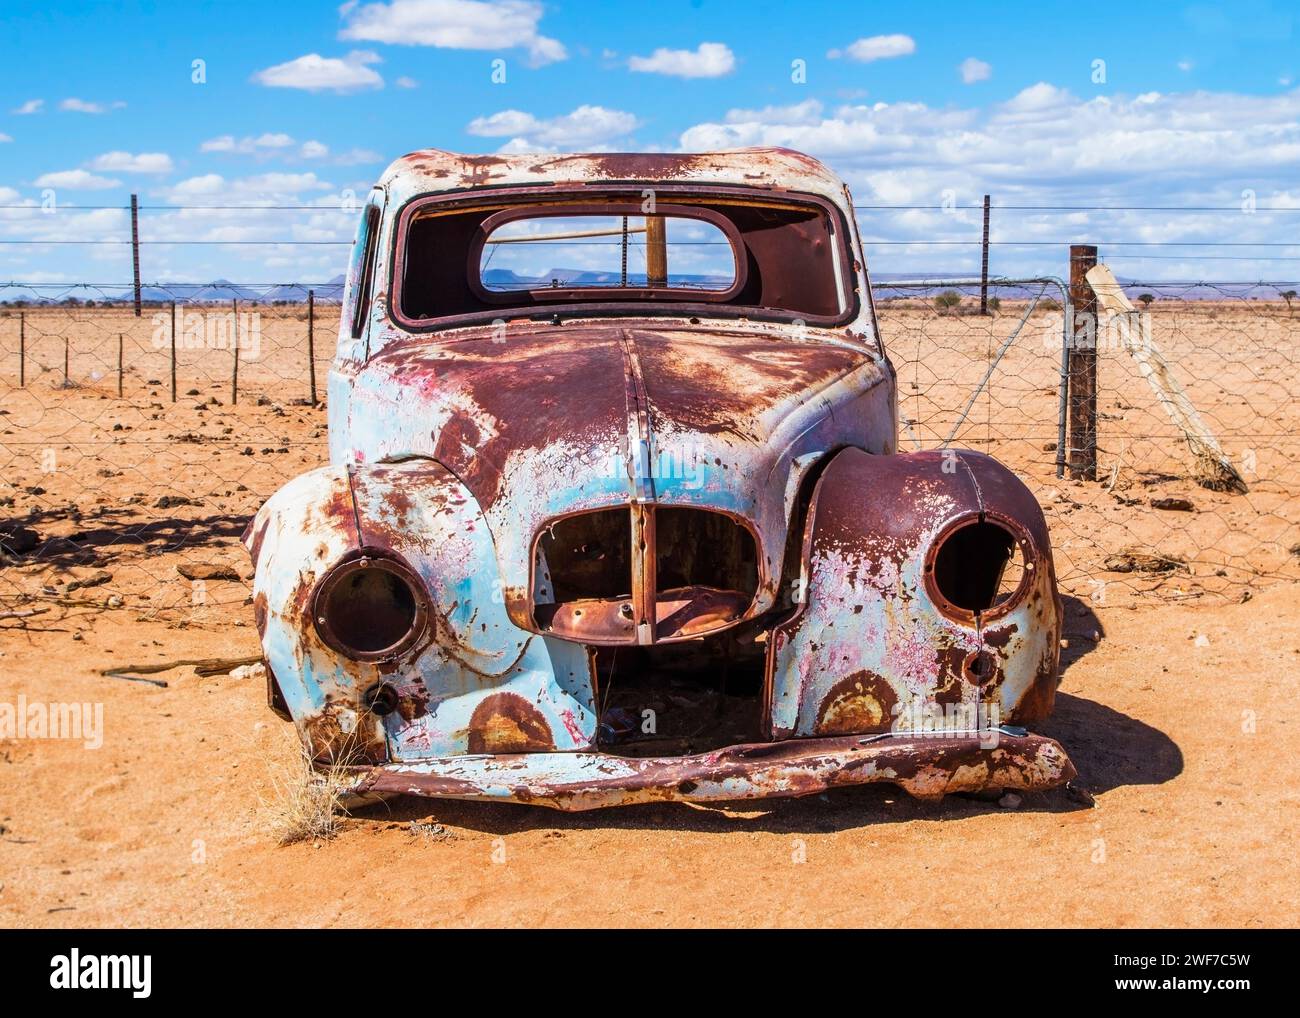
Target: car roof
[[430, 171]]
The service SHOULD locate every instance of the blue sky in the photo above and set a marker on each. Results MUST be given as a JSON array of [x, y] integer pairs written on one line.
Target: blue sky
[[1145, 104]]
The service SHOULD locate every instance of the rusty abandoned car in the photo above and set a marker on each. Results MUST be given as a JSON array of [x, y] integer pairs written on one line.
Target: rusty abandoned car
[[638, 528]]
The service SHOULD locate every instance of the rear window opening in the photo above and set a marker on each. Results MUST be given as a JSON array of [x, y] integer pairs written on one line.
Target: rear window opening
[[627, 252], [607, 254]]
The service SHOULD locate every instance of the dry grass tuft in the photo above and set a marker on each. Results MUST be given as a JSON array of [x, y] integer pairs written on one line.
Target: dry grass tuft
[[305, 803]]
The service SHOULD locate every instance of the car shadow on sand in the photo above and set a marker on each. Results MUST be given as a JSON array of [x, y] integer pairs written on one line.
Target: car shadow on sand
[[1109, 750]]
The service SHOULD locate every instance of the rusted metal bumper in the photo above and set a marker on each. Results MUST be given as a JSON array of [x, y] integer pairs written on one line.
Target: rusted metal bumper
[[927, 767]]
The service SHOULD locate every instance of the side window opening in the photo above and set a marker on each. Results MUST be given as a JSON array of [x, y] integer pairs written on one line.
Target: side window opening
[[366, 283]]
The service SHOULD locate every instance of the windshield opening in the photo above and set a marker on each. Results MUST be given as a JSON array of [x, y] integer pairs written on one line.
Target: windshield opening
[[604, 254]]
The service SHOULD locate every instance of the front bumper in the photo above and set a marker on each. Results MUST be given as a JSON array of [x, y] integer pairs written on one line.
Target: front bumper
[[925, 766]]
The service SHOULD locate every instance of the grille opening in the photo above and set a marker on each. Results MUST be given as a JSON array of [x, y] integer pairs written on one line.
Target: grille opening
[[978, 566], [588, 556], [370, 609], [704, 549], [701, 695], [706, 575]]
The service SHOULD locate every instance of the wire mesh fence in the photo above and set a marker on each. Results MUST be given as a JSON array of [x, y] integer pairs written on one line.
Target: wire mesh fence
[[134, 449], [1152, 521], [123, 492]]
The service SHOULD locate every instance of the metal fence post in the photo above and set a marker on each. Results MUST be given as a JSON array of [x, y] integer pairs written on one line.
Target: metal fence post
[[984, 263], [173, 351], [1082, 332], [120, 365], [234, 374], [135, 249], [22, 349], [311, 342]]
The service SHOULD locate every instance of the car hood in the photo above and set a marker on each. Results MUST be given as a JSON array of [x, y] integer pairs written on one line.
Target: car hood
[[546, 421]]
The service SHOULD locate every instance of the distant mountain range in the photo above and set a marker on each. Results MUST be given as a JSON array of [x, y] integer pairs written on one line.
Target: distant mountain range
[[508, 279], [886, 285], [219, 291]]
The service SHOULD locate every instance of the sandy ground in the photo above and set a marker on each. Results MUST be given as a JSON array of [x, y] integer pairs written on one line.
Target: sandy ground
[[1177, 702], [1181, 721]]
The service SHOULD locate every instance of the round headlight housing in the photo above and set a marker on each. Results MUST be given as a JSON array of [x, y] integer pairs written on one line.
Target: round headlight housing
[[979, 566], [370, 608]]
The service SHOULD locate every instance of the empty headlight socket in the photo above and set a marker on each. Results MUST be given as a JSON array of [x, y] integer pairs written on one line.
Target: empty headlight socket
[[969, 595], [386, 577]]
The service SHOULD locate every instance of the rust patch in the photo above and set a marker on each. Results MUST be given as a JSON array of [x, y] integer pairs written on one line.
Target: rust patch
[[254, 536], [860, 704], [507, 723], [328, 743], [260, 612]]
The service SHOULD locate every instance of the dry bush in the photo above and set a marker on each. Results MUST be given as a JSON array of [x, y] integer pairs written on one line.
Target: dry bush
[[305, 803]]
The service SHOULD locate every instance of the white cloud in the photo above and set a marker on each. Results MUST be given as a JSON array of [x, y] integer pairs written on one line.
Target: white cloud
[[125, 162], [1185, 65], [973, 70], [876, 47], [807, 112], [29, 107], [453, 24], [247, 145], [313, 150], [75, 180], [315, 73], [708, 60], [1037, 99], [4, 137], [1047, 146], [264, 187], [358, 157], [585, 126], [75, 105], [406, 82]]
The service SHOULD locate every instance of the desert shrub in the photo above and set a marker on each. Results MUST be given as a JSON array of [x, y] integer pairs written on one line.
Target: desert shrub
[[947, 300]]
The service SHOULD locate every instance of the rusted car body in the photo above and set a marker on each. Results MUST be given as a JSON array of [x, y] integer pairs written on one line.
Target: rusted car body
[[593, 545]]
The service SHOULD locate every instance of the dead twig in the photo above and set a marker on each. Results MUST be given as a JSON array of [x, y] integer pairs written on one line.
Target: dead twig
[[202, 666], [23, 614], [160, 683]]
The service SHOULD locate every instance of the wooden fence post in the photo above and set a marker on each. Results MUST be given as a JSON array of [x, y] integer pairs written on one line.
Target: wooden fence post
[[119, 365], [22, 349], [656, 252], [1082, 331], [311, 342], [67, 343]]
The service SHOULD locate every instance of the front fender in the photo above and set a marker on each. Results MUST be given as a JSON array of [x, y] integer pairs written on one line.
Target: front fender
[[474, 683], [872, 645]]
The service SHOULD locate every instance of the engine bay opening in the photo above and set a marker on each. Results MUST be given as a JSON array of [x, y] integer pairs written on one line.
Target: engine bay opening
[[680, 698], [978, 566]]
